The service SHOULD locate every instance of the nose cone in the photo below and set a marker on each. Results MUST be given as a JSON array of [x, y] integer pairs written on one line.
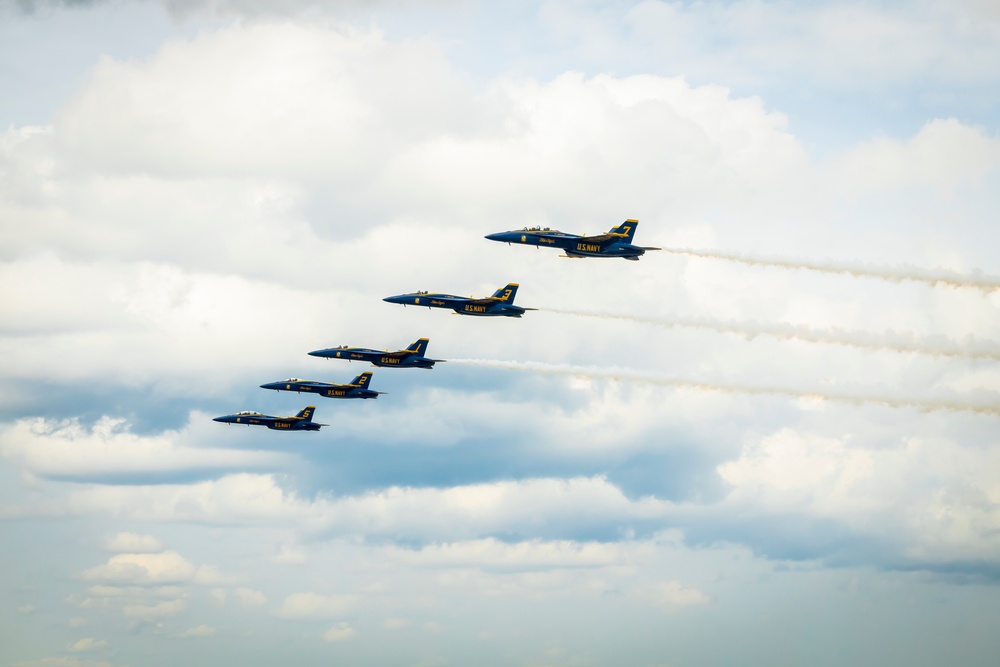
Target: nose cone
[[219, 419], [399, 298], [500, 236], [273, 385], [320, 353]]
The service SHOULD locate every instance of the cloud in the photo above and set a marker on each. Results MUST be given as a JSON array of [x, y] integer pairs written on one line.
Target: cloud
[[492, 553], [67, 448], [63, 662], [928, 503], [133, 543], [301, 606], [155, 568], [673, 594], [88, 644], [198, 632], [155, 612], [340, 632], [249, 597], [528, 507]]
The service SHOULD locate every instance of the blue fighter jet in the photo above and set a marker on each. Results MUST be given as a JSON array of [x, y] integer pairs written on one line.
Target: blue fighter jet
[[501, 303], [300, 422], [411, 357], [616, 243], [358, 388]]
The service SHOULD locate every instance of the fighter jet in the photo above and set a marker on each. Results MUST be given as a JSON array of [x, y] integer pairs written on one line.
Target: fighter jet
[[358, 388], [300, 422], [501, 303], [411, 357], [616, 243]]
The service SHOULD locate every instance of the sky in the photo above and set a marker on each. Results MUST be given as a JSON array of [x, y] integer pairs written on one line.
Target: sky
[[774, 441]]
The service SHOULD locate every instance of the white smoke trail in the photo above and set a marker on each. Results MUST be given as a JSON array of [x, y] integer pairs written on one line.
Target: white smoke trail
[[971, 348], [931, 404], [894, 274]]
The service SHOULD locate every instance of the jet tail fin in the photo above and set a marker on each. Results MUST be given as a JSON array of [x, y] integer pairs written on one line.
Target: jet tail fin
[[362, 380], [506, 294], [306, 413], [625, 230], [419, 347]]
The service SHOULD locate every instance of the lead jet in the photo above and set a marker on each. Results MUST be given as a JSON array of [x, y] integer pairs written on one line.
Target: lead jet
[[501, 303], [616, 243], [358, 388], [300, 422], [411, 357]]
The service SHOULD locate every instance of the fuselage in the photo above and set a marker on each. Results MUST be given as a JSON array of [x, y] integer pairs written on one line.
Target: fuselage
[[489, 307], [324, 389], [274, 423], [615, 243], [383, 358]]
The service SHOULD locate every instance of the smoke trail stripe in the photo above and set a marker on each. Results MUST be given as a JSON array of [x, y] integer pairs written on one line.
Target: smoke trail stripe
[[895, 274], [930, 404], [938, 346]]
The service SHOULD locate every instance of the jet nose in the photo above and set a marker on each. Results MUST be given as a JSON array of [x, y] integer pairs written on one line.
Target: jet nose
[[394, 299], [270, 385], [499, 236], [218, 419], [318, 353]]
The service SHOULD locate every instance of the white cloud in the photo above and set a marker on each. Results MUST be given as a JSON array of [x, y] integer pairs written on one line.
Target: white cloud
[[88, 644], [249, 597], [133, 543], [155, 612], [315, 606], [850, 45], [198, 632], [443, 513], [674, 594], [492, 553], [63, 662], [933, 500], [68, 448], [341, 632], [164, 567]]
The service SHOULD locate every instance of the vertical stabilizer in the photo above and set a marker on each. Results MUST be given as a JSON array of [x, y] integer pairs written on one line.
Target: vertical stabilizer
[[419, 347], [506, 294], [306, 413], [626, 229], [362, 380]]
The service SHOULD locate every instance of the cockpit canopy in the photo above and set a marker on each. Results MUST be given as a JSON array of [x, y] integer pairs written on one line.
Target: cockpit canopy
[[294, 380], [249, 413], [536, 229]]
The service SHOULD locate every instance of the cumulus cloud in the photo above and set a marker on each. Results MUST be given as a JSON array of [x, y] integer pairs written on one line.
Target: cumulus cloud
[[68, 448], [133, 543], [249, 597], [341, 632], [674, 594], [88, 644], [315, 606], [525, 507], [932, 502], [155, 612], [155, 568], [199, 631], [492, 553]]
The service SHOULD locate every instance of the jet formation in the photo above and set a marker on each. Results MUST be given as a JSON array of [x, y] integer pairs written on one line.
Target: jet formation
[[358, 388], [500, 304], [300, 422], [616, 243]]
